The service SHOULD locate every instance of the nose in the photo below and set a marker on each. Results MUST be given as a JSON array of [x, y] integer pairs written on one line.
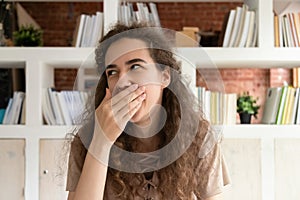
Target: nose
[[124, 81]]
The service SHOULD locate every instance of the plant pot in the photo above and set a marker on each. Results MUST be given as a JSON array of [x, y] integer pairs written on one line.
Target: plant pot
[[245, 118]]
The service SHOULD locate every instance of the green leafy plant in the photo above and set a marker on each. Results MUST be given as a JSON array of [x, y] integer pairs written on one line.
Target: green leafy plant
[[28, 36], [247, 104]]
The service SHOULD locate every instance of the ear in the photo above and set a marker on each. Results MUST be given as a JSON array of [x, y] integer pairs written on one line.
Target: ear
[[166, 77]]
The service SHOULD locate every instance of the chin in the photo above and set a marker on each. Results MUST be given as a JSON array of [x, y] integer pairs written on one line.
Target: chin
[[140, 118]]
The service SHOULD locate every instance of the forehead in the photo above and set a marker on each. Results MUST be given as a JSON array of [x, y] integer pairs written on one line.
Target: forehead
[[126, 47]]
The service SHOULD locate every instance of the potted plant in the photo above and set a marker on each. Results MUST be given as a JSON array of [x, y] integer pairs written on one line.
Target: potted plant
[[246, 107], [28, 36]]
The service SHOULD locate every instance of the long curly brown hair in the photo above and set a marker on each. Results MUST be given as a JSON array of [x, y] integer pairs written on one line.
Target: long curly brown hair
[[177, 178]]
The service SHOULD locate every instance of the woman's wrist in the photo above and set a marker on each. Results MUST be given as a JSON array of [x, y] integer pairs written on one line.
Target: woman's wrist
[[100, 145]]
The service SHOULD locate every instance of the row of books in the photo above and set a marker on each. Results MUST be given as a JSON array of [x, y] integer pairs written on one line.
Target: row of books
[[144, 13], [282, 106], [241, 28], [89, 30], [15, 110], [64, 107], [219, 108], [287, 30]]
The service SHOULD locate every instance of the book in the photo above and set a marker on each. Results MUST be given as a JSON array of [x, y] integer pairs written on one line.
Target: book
[[297, 26], [276, 31], [245, 30], [229, 28], [155, 15], [281, 104], [13, 110], [236, 26], [242, 24], [271, 105], [251, 30], [295, 106], [80, 29]]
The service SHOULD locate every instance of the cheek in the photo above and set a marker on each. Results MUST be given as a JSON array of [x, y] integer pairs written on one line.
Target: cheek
[[154, 94], [111, 85]]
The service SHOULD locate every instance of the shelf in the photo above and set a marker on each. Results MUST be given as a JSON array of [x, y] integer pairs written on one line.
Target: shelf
[[60, 56], [242, 57], [41, 132], [70, 57], [252, 131]]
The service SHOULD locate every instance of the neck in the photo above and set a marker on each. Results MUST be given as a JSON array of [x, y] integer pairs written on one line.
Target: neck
[[150, 144]]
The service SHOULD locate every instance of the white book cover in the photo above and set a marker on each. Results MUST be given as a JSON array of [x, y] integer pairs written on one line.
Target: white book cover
[[92, 30], [297, 26], [86, 31], [293, 29], [46, 109], [271, 105], [12, 113], [131, 12], [241, 25], [229, 28], [17, 111], [155, 15], [255, 32], [245, 30], [288, 32], [80, 30], [251, 29], [236, 25], [146, 12], [64, 109], [280, 31], [141, 12], [97, 30], [56, 109]]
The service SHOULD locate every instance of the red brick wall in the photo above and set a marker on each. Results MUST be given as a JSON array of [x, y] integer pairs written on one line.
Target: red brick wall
[[58, 22]]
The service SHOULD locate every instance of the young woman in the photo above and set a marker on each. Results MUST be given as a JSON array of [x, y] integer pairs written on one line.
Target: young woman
[[146, 138]]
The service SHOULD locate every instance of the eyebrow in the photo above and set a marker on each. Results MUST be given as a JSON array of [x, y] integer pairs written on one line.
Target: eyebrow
[[135, 60]]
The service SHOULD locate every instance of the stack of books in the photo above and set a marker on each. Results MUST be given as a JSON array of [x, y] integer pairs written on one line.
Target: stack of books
[[144, 13], [241, 28], [64, 107], [15, 111], [219, 108], [89, 30], [282, 106], [287, 26]]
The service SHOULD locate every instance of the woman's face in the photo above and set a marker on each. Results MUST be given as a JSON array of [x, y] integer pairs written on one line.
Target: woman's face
[[128, 62]]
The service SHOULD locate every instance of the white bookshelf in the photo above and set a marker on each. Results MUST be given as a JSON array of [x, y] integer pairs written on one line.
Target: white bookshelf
[[40, 62]]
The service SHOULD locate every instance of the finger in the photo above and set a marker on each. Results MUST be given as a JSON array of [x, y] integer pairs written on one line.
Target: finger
[[132, 112], [130, 109], [124, 93], [107, 94], [127, 99]]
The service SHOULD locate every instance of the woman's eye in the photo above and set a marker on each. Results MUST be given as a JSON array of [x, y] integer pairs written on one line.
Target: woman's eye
[[111, 72], [135, 66]]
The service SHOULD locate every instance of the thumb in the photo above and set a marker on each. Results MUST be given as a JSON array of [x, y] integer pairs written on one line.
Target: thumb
[[107, 94]]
